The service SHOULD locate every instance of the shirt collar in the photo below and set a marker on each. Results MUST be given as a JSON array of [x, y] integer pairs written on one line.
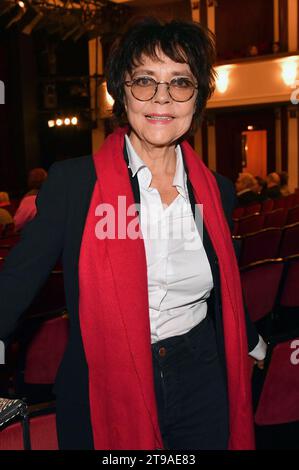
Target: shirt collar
[[243, 191], [180, 177], [135, 162]]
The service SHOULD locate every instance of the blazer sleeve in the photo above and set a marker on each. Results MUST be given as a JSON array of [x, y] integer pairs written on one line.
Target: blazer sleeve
[[30, 262], [228, 197], [229, 202]]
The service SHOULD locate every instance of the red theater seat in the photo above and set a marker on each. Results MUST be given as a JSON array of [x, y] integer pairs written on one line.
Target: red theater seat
[[289, 244], [278, 203], [251, 223], [267, 205], [293, 215], [43, 435], [276, 218], [252, 209], [238, 212], [279, 400], [45, 351], [260, 245], [260, 282]]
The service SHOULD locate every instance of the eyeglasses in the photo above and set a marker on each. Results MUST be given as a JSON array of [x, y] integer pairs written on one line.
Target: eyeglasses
[[179, 88]]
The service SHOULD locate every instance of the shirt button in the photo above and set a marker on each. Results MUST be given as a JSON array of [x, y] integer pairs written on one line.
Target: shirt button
[[162, 352]]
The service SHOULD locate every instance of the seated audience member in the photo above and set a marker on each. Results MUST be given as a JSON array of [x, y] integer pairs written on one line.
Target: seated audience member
[[273, 186], [245, 189], [284, 179], [5, 217], [261, 188], [27, 209]]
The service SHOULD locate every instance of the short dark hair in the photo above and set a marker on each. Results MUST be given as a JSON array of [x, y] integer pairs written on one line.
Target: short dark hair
[[182, 41], [36, 177]]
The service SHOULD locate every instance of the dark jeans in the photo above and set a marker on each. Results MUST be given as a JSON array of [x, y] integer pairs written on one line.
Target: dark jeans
[[191, 391]]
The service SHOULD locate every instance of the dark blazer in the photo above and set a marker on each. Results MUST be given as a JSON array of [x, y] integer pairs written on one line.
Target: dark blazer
[[274, 192], [247, 198], [62, 206]]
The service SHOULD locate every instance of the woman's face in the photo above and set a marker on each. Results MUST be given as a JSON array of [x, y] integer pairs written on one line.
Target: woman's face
[[161, 120]]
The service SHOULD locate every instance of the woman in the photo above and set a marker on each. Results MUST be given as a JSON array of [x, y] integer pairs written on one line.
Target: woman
[[27, 208], [151, 316]]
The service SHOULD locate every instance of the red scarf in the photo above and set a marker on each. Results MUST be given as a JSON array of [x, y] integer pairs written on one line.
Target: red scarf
[[114, 313]]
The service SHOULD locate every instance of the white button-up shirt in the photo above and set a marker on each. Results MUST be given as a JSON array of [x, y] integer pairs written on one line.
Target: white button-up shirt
[[179, 274]]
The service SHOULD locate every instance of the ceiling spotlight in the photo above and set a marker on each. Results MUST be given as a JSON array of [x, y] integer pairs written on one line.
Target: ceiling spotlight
[[59, 122], [74, 121], [51, 123], [67, 121]]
